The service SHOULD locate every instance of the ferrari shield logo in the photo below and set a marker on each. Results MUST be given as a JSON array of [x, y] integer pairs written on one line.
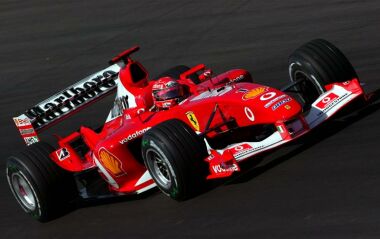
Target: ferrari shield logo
[[111, 163], [193, 120]]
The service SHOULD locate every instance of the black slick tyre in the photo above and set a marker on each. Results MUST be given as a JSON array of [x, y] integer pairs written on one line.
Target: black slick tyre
[[317, 64], [42, 189], [174, 154]]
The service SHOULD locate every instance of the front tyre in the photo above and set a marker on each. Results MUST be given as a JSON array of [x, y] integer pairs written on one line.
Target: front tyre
[[41, 188], [173, 154], [317, 64]]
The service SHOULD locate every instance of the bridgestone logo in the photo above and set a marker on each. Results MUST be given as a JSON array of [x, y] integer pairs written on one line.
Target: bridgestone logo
[[134, 135]]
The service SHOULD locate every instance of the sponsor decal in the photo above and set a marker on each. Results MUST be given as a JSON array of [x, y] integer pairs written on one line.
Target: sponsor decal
[[210, 157], [134, 135], [193, 120], [278, 104], [267, 105], [31, 140], [236, 79], [327, 100], [21, 121], [111, 163], [219, 169], [331, 103], [62, 154], [254, 92], [244, 149], [27, 131], [242, 90], [288, 107], [248, 112], [268, 96], [72, 98], [240, 149]]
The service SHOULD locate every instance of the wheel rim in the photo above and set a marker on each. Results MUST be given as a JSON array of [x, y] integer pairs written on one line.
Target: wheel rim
[[309, 88], [159, 169], [300, 75], [23, 191]]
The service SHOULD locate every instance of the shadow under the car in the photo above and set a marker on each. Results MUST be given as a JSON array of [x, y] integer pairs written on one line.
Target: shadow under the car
[[96, 201]]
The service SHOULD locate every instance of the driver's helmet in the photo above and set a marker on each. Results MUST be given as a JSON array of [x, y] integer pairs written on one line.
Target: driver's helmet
[[167, 92]]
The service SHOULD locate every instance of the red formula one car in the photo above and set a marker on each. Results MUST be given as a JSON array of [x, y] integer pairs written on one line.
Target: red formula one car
[[177, 143]]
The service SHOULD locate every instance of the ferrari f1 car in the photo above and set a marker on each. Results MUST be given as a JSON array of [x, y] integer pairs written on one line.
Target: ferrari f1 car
[[224, 120]]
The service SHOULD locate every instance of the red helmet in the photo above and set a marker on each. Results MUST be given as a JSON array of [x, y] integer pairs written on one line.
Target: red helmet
[[167, 92]]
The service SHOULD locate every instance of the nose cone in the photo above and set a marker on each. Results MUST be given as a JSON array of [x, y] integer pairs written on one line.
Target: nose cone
[[273, 105], [285, 108]]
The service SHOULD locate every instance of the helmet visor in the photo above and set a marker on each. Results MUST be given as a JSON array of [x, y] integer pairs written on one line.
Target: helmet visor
[[167, 94]]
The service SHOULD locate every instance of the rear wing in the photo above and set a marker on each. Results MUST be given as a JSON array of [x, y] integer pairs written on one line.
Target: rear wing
[[70, 100]]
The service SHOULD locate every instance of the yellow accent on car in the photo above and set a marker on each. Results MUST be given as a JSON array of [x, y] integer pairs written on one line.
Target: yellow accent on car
[[111, 163], [193, 120], [254, 92]]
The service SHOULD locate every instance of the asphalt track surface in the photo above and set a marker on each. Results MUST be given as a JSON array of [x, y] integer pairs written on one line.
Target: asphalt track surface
[[326, 187]]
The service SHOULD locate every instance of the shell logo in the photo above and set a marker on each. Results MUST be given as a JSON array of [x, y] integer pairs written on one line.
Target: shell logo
[[111, 163], [254, 92]]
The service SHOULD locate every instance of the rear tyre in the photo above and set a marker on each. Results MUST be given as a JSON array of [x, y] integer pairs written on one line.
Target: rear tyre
[[318, 63], [173, 154], [176, 71], [42, 189]]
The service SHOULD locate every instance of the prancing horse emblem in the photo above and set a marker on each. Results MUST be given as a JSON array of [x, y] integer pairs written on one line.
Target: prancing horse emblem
[[193, 120]]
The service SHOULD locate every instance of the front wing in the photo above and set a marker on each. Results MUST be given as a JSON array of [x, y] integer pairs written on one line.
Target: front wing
[[223, 162]]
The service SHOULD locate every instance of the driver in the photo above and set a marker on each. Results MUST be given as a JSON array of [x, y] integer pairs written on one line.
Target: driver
[[167, 92]]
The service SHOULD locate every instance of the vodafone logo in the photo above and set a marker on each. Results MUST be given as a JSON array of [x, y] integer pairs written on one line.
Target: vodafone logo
[[238, 148], [231, 168], [136, 134], [327, 100], [267, 96], [249, 114]]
